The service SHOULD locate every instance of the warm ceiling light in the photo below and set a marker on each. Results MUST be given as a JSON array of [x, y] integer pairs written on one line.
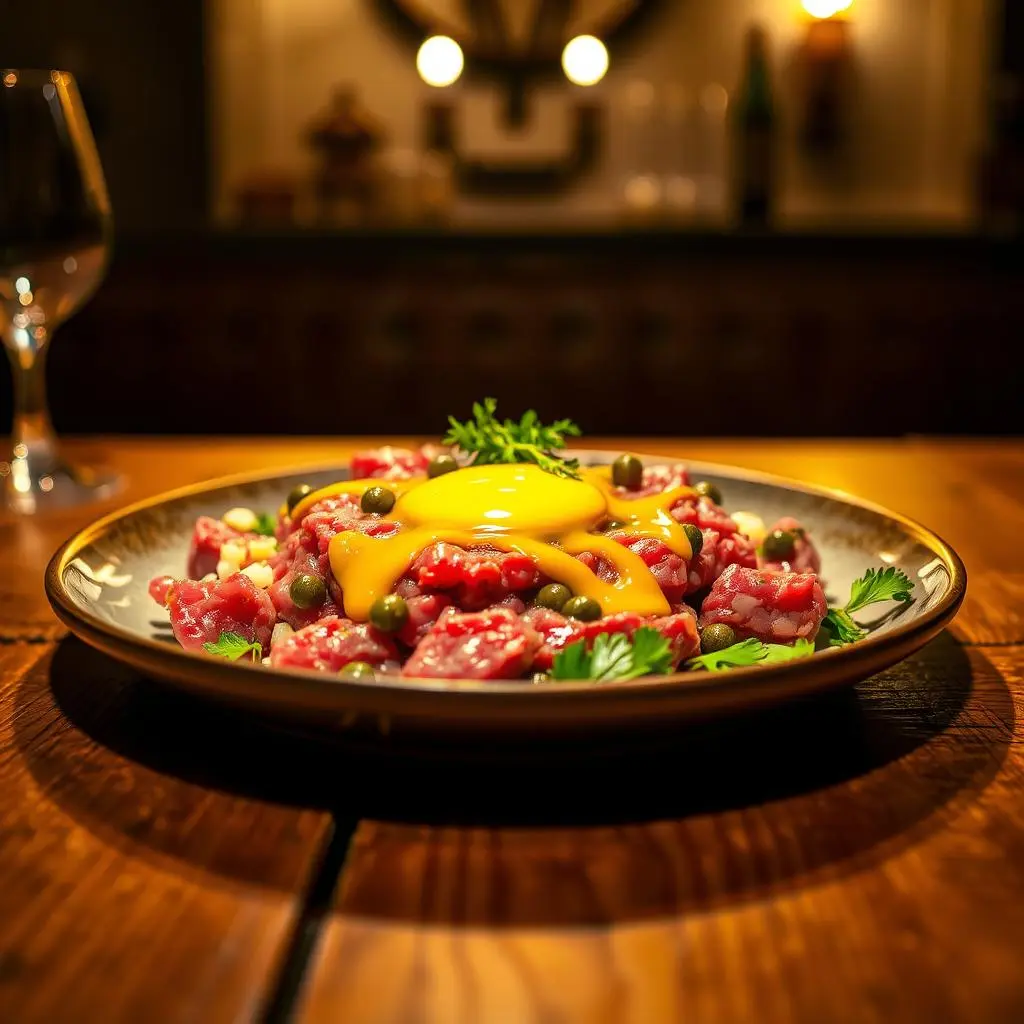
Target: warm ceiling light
[[439, 61], [585, 60], [826, 8]]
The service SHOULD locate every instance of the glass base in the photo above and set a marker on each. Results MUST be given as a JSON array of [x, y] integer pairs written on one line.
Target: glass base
[[31, 486]]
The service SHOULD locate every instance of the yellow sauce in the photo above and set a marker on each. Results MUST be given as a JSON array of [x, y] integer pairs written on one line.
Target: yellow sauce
[[511, 508], [356, 487]]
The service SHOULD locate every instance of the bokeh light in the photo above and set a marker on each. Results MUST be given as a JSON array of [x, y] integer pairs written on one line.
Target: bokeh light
[[826, 8], [585, 60], [439, 61]]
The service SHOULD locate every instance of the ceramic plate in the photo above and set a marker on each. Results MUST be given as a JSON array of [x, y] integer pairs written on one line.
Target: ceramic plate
[[97, 584]]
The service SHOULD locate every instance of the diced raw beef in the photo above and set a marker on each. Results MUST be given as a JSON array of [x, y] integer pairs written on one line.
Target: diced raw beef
[[301, 554], [287, 551], [804, 557], [493, 644], [600, 567], [339, 503], [306, 550], [158, 588], [716, 555], [777, 607], [200, 612], [326, 523], [668, 568], [513, 602], [389, 463], [204, 551], [424, 611], [657, 480], [474, 578], [330, 644], [680, 629], [468, 612], [408, 587], [703, 512], [557, 631]]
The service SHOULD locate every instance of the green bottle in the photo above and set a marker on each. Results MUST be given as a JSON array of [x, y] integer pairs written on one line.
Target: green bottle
[[756, 132]]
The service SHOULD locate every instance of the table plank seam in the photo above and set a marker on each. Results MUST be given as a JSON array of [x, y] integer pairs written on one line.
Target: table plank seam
[[9, 639], [990, 643], [317, 900]]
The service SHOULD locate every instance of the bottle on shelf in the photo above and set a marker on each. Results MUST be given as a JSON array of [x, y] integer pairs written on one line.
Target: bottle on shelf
[[711, 142], [642, 185], [756, 132]]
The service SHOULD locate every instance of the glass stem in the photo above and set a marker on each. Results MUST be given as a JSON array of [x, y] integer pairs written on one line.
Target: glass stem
[[31, 432]]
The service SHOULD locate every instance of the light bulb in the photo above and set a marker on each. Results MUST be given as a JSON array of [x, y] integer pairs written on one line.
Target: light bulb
[[826, 8], [439, 61], [585, 60]]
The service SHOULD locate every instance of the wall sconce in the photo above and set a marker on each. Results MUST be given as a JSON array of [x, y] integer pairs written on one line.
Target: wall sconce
[[825, 57]]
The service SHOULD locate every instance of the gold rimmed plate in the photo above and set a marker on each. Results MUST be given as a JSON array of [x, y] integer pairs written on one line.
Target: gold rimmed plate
[[97, 583]]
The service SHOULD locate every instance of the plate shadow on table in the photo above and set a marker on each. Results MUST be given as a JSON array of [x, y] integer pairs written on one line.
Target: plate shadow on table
[[728, 811]]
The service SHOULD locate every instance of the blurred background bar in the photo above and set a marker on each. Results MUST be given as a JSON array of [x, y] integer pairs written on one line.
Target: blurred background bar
[[728, 217]]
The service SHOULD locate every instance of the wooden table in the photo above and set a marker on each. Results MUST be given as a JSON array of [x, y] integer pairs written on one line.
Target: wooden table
[[855, 858]]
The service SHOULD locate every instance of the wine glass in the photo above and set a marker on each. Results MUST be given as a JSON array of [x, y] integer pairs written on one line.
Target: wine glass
[[55, 227]]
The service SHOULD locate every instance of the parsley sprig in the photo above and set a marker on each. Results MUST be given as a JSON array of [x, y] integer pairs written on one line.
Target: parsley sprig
[[490, 440], [615, 656], [875, 585], [751, 652], [234, 646], [266, 524]]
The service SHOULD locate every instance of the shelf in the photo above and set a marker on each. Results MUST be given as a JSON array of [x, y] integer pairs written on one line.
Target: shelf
[[400, 244]]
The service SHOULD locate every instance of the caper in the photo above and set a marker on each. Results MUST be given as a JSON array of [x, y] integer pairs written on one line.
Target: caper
[[389, 613], [553, 596], [706, 489], [695, 537], [307, 590], [716, 638], [779, 544], [584, 608], [377, 499], [357, 670], [627, 471], [441, 464], [295, 495]]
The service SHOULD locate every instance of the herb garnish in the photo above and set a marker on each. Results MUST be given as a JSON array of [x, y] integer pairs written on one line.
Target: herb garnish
[[490, 440], [875, 585], [266, 524], [615, 656], [234, 646], [751, 652]]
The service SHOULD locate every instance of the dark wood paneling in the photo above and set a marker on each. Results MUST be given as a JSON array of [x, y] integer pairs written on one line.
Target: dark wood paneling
[[629, 334], [140, 70]]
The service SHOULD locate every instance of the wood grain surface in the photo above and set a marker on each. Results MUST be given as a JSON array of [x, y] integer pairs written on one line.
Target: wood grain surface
[[134, 886], [855, 857], [849, 859]]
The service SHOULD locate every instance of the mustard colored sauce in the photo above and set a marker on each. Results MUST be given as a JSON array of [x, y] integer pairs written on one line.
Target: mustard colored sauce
[[503, 499], [647, 516], [511, 508], [356, 487]]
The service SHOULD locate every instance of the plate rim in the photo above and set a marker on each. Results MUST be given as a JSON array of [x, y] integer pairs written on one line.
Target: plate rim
[[448, 697]]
